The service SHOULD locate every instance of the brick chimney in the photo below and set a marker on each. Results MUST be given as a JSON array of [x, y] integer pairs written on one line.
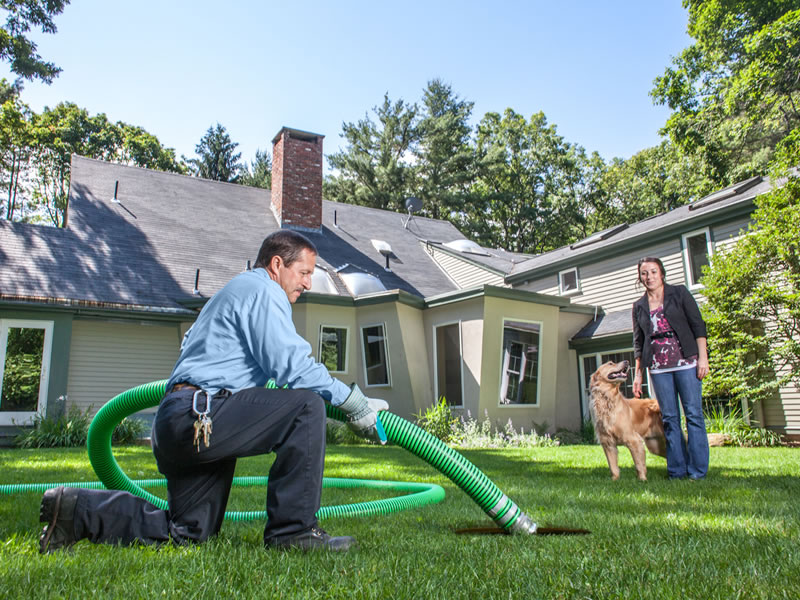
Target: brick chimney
[[297, 179]]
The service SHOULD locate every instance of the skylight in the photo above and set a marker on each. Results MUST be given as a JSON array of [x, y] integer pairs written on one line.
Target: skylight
[[466, 246], [728, 192], [321, 282], [599, 236], [360, 283]]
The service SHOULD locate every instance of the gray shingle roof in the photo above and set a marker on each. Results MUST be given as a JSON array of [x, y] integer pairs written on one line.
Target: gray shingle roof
[[145, 249], [741, 193], [613, 323]]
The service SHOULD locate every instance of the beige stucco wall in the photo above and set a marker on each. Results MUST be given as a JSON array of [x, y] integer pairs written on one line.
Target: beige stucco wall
[[496, 310]]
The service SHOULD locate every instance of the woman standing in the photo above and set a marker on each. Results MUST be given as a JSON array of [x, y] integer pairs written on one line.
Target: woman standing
[[669, 339]]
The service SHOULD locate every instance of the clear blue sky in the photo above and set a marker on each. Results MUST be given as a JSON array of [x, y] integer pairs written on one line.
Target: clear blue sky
[[176, 67]]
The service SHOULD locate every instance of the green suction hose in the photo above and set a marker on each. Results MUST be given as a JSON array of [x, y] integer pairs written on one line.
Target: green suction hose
[[450, 463]]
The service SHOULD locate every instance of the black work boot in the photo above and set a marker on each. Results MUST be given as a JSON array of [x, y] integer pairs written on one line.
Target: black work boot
[[313, 539], [58, 511]]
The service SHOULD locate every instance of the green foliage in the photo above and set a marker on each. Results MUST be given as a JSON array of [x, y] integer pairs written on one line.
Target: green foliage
[[259, 173], [444, 166], [471, 433], [337, 433], [23, 369], [217, 157], [753, 293], [19, 50], [528, 186], [72, 430], [720, 418], [128, 431], [438, 420], [735, 91], [66, 431], [374, 169]]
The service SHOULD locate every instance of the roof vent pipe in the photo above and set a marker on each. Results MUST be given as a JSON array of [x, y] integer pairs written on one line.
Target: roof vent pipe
[[387, 262], [334, 220], [116, 189], [196, 290]]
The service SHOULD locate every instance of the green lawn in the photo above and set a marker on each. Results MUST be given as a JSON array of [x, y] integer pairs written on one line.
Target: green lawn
[[734, 535]]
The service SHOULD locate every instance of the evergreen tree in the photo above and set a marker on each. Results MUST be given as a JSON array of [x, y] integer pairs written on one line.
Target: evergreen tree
[[444, 158], [259, 173], [217, 157]]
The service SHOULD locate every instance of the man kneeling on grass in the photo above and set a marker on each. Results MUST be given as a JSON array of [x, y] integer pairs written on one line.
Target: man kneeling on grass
[[243, 337]]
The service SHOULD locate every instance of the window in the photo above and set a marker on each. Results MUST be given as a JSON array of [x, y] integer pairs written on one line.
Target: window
[[696, 250], [589, 364], [333, 348], [568, 282], [520, 366], [447, 351], [376, 358], [24, 369]]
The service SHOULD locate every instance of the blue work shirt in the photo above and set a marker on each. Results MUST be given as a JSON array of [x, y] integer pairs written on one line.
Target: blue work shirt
[[245, 336]]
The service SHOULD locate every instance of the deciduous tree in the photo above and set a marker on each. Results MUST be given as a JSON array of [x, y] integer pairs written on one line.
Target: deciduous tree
[[753, 292], [19, 50]]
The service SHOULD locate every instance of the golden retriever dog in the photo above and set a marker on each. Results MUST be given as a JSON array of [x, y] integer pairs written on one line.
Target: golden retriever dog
[[618, 420]]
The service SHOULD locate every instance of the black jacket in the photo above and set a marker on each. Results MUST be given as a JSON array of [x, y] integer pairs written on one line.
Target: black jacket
[[683, 315]]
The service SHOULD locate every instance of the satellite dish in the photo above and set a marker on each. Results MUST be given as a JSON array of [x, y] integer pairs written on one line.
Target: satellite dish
[[413, 204]]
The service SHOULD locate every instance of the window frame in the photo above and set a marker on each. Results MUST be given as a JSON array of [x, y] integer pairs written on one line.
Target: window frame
[[572, 292], [388, 383], [437, 392], [687, 261], [27, 417], [346, 346], [503, 388]]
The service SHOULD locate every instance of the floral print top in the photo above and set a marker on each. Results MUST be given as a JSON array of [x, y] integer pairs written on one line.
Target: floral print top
[[667, 354]]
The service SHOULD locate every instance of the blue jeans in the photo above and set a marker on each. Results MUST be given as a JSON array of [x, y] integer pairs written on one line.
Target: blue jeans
[[683, 459]]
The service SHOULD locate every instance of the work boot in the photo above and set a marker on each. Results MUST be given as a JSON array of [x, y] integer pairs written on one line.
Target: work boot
[[313, 539], [58, 511]]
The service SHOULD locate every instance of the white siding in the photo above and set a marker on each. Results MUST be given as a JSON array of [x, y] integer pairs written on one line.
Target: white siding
[[107, 358], [464, 274]]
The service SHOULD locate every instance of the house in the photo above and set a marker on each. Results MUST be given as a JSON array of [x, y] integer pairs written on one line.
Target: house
[[403, 305], [109, 297], [600, 271]]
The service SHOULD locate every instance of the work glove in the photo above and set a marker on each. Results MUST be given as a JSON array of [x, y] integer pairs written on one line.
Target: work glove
[[362, 414]]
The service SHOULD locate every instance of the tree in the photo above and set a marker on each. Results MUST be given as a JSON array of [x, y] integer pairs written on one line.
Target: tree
[[444, 166], [217, 159], [529, 185], [735, 91], [56, 134], [15, 142], [652, 181], [753, 292], [259, 173], [20, 51], [375, 169]]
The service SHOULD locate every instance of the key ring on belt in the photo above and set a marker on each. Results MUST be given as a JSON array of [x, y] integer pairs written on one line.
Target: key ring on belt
[[195, 409]]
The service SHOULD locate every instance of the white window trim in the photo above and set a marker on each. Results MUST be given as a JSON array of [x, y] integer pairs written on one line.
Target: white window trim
[[437, 393], [577, 290], [364, 356], [687, 268], [27, 417], [346, 346], [500, 402]]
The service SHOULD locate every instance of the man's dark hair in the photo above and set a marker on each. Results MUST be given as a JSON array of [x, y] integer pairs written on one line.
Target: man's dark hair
[[285, 243]]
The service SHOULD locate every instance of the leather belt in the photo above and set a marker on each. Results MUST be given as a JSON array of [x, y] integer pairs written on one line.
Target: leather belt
[[663, 334], [183, 386]]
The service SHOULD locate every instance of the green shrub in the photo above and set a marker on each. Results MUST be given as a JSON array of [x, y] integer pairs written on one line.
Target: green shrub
[[469, 433], [128, 431], [338, 433], [66, 431], [438, 420], [729, 420], [72, 429]]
